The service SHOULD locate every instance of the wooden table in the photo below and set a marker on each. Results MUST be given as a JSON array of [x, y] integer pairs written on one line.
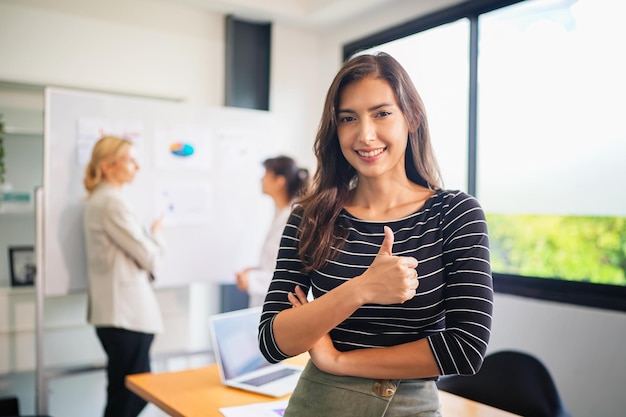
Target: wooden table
[[199, 393]]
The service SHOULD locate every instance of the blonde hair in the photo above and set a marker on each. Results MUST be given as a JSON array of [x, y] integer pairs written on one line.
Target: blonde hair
[[106, 149]]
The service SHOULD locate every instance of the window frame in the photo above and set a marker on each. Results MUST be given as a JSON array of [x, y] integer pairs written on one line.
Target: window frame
[[603, 296]]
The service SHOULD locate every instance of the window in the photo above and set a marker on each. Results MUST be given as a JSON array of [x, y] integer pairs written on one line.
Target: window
[[437, 62], [544, 122]]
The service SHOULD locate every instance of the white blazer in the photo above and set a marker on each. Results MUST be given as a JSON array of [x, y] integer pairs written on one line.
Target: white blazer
[[121, 260]]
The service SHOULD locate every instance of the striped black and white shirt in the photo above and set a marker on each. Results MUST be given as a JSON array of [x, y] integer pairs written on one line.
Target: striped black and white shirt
[[452, 306]]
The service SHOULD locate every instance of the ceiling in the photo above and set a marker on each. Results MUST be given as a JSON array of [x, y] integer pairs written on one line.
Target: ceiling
[[315, 14]]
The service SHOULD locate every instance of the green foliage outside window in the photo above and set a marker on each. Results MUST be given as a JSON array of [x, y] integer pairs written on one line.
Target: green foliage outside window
[[574, 248]]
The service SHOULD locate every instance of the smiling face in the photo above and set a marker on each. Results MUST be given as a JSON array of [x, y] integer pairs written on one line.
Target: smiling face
[[372, 130]]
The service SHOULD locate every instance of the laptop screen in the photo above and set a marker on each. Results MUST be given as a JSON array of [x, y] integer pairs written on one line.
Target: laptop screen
[[235, 341]]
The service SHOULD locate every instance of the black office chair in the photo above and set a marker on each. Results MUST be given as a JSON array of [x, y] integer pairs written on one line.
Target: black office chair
[[513, 381]]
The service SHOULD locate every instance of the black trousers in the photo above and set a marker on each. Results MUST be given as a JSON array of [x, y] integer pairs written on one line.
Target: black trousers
[[128, 353]]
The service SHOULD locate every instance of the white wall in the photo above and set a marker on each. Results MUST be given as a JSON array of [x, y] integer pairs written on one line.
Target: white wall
[[139, 47], [296, 90], [583, 347], [145, 47]]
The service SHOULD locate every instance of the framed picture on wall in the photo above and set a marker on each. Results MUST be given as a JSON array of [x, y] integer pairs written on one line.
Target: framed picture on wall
[[22, 265]]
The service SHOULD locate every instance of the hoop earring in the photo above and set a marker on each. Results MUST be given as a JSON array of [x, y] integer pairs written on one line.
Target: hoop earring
[[353, 183]]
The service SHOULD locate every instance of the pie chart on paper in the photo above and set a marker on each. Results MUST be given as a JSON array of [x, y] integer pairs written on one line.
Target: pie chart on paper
[[181, 149]]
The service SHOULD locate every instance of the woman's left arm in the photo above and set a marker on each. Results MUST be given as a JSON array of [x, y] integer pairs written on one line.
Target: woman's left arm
[[468, 302]]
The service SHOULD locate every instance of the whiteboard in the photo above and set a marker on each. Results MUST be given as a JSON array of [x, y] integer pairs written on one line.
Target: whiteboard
[[216, 215]]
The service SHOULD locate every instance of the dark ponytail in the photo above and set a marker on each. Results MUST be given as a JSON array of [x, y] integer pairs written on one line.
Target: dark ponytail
[[297, 178]]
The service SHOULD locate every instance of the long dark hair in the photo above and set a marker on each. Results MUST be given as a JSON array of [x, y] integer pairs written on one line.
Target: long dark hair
[[320, 231]]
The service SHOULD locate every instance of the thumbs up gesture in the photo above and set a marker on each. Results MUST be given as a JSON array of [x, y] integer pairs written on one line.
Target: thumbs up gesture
[[389, 279]]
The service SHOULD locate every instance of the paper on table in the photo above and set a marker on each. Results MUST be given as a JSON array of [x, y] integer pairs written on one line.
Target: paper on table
[[266, 409]]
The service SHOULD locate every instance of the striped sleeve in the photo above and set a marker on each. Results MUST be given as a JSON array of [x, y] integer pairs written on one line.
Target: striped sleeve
[[461, 347], [286, 276]]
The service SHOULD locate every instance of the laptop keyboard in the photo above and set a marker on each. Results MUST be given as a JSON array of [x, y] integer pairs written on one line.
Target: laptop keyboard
[[272, 376]]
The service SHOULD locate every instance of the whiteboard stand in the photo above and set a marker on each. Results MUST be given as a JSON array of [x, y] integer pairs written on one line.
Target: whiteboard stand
[[41, 388]]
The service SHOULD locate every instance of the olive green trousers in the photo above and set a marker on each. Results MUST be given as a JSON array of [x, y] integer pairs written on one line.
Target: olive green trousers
[[319, 394]]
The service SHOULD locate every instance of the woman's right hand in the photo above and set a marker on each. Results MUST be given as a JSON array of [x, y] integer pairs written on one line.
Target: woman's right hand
[[243, 279], [323, 353], [157, 225], [389, 279]]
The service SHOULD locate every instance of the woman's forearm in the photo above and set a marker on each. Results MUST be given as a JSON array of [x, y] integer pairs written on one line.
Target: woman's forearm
[[408, 360], [296, 330]]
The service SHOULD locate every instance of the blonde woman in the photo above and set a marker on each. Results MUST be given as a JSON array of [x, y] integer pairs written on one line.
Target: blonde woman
[[121, 259]]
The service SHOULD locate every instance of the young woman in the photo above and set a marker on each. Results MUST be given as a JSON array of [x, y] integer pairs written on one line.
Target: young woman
[[121, 259], [283, 182], [398, 267]]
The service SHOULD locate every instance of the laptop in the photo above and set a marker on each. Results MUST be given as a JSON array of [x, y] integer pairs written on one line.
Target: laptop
[[234, 337]]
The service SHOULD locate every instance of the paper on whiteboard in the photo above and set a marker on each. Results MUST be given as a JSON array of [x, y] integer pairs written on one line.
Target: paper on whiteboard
[[182, 147], [89, 130], [183, 203]]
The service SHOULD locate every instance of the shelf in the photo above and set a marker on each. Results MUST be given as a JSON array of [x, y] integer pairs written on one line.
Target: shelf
[[16, 209], [26, 289], [23, 131], [22, 121], [16, 202], [18, 214]]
